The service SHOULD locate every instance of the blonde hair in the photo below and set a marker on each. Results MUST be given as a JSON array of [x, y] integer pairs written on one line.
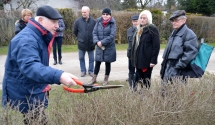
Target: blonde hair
[[25, 12], [148, 15]]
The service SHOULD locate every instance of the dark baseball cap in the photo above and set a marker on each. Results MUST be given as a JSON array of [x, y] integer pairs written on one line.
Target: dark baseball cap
[[49, 12], [177, 13], [135, 17]]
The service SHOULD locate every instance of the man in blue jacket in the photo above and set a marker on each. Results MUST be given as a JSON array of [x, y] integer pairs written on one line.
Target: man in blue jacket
[[27, 72], [83, 28]]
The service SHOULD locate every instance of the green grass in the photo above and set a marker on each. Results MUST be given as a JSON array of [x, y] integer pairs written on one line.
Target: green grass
[[74, 48]]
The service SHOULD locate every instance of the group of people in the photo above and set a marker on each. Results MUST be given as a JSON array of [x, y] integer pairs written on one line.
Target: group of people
[[100, 33], [28, 74], [144, 46]]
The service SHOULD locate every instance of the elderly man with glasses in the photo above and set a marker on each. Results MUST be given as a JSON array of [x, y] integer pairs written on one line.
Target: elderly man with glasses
[[182, 47]]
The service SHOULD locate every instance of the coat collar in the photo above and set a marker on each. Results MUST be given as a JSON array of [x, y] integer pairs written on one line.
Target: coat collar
[[40, 31], [182, 30], [111, 21]]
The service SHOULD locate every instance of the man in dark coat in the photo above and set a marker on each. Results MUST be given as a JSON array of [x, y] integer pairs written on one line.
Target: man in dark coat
[[181, 47], [83, 28], [27, 72], [130, 33]]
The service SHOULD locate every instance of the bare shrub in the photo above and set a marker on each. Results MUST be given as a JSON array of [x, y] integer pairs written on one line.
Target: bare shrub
[[190, 103]]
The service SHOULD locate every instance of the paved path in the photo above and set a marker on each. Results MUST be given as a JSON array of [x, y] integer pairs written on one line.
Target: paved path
[[119, 69]]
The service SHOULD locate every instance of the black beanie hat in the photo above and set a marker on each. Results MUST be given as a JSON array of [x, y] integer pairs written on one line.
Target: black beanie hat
[[106, 10], [49, 12]]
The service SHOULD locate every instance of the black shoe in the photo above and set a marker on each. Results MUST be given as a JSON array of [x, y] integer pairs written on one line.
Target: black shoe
[[55, 62], [60, 62]]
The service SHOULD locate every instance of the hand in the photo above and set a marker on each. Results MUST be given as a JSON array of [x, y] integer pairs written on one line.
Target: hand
[[67, 79], [99, 44], [152, 65]]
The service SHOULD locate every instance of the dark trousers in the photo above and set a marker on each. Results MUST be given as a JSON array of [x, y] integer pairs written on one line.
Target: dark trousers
[[58, 41], [130, 67], [145, 77], [107, 68]]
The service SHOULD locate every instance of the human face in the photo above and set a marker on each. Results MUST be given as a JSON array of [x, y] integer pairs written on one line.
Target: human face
[[27, 17], [106, 16], [50, 25], [85, 13], [177, 22], [143, 20], [134, 23]]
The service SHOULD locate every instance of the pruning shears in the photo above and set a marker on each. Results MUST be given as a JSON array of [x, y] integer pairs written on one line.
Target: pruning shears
[[89, 87]]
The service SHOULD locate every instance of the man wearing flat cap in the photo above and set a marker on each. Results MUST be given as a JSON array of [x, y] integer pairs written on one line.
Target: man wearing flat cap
[[181, 48], [27, 72], [130, 33]]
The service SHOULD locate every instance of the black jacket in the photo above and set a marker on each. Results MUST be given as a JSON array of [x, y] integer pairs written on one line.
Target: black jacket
[[19, 26], [83, 30], [148, 49]]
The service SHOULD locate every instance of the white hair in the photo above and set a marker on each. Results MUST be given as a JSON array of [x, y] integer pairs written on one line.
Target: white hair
[[37, 18], [148, 15], [85, 7]]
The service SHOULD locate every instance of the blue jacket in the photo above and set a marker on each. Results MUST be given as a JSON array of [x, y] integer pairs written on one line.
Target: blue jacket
[[27, 73], [106, 35]]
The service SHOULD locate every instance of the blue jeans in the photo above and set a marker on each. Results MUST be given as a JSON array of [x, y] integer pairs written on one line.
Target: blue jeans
[[58, 41], [81, 54]]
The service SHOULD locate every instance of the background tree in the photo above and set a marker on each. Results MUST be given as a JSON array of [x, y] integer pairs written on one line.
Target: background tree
[[170, 4], [28, 3], [126, 4], [100, 4], [205, 7], [143, 3]]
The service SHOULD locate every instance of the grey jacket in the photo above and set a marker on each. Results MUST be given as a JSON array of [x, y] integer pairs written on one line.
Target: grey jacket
[[61, 28], [106, 35], [83, 30], [181, 49], [130, 33]]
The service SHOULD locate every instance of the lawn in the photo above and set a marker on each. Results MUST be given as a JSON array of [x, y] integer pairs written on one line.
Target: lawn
[[74, 48]]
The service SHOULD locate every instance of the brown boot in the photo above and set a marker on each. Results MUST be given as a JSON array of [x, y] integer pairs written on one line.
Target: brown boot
[[105, 82], [93, 80]]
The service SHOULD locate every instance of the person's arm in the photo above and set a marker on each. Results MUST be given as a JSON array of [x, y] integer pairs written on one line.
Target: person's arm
[[28, 60], [95, 33], [61, 26], [75, 28], [190, 51], [156, 46]]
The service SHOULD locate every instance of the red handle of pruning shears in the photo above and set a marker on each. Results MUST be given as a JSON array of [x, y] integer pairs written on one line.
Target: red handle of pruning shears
[[87, 87]]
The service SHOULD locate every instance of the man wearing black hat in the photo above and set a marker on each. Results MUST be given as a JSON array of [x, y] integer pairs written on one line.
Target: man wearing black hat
[[181, 47], [130, 33], [27, 72]]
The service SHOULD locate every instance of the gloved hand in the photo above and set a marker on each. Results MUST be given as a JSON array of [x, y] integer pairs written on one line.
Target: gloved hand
[[58, 30]]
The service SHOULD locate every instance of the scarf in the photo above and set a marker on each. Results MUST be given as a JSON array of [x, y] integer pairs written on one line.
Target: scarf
[[105, 22], [135, 44]]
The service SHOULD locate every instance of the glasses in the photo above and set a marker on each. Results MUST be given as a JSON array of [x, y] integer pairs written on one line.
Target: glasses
[[105, 14], [175, 20]]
